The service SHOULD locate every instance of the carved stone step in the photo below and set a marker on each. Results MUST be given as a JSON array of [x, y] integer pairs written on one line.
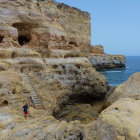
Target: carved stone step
[[39, 105], [34, 96], [37, 101]]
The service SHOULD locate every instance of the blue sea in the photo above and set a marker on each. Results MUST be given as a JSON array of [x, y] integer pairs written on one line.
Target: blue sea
[[118, 76]]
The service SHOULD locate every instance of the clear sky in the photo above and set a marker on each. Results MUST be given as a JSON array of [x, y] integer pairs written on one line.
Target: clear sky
[[115, 24]]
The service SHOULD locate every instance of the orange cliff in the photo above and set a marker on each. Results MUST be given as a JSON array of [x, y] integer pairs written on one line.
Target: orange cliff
[[43, 25], [51, 29]]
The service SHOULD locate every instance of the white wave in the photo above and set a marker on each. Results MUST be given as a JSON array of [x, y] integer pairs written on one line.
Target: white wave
[[114, 85], [111, 71]]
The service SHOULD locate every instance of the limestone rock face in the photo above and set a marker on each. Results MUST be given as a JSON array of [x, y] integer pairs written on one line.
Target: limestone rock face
[[129, 89], [79, 74], [38, 128], [46, 26], [13, 52], [98, 49], [66, 131], [11, 88], [43, 24], [104, 61], [68, 77], [120, 121], [55, 80]]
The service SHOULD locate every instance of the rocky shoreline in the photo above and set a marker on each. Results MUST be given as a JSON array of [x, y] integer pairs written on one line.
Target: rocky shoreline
[[104, 61], [46, 53]]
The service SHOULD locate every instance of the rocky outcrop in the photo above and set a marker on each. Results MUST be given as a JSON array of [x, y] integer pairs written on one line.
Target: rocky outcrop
[[129, 89], [71, 76], [55, 81], [120, 121], [65, 78], [43, 24], [104, 61], [97, 49]]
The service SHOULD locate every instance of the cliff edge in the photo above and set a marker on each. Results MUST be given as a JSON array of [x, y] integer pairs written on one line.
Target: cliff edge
[[51, 29]]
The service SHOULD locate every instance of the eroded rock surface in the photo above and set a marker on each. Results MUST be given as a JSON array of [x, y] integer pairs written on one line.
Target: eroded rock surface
[[42, 24], [48, 26], [55, 81], [104, 61], [69, 77], [120, 121], [129, 89], [84, 109]]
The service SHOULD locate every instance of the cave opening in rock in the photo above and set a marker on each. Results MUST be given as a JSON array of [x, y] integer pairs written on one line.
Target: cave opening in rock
[[23, 39], [24, 32], [13, 54], [1, 38], [1, 85], [5, 102], [83, 108], [73, 43], [14, 91]]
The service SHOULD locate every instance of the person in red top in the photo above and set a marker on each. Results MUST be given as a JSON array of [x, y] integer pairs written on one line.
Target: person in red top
[[25, 110]]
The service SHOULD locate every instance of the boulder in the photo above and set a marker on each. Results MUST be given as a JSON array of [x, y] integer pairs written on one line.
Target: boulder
[[128, 89], [120, 121]]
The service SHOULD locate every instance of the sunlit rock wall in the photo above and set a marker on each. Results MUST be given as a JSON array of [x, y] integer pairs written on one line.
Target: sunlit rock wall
[[43, 24]]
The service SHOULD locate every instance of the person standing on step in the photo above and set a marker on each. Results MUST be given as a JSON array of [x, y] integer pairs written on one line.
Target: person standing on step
[[32, 101], [25, 110]]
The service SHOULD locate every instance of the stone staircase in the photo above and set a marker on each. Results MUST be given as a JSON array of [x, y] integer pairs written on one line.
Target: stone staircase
[[33, 93]]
